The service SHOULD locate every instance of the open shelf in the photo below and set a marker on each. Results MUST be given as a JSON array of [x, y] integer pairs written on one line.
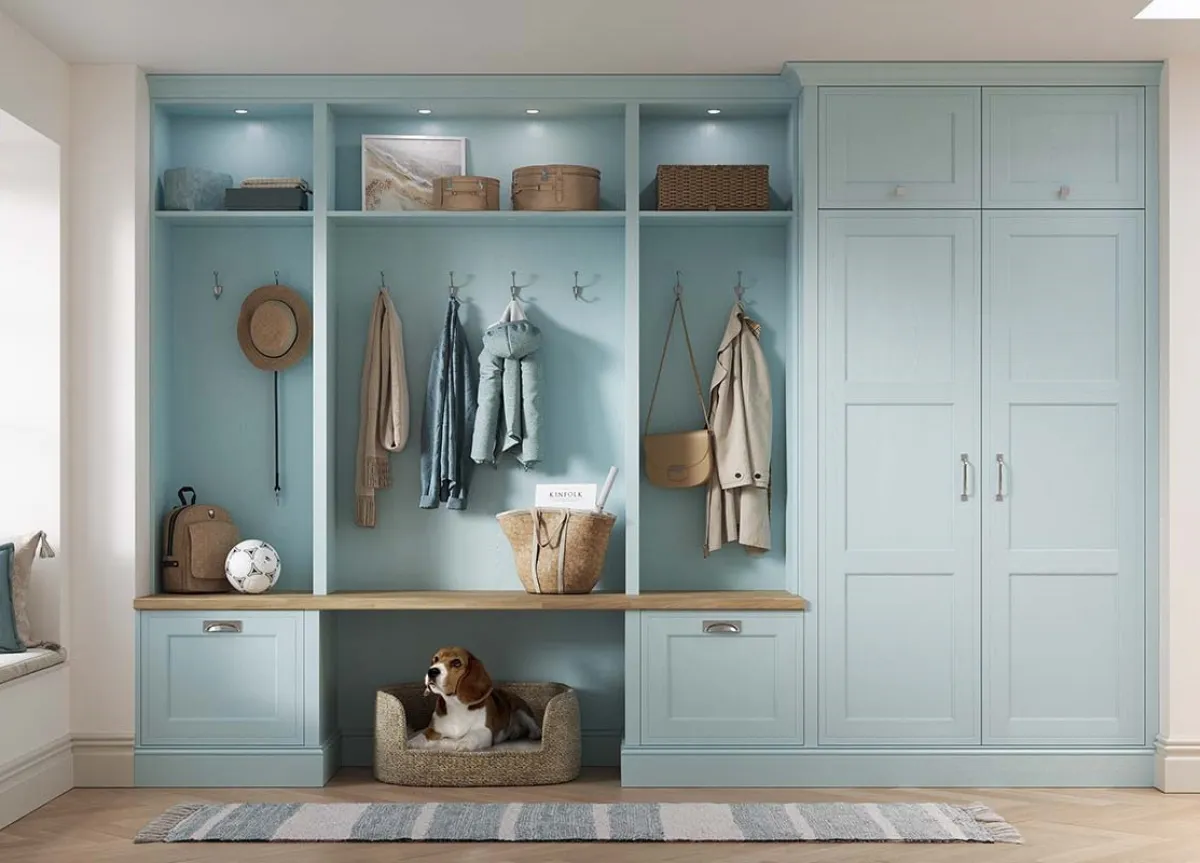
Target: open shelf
[[715, 218], [477, 600], [505, 218], [235, 218]]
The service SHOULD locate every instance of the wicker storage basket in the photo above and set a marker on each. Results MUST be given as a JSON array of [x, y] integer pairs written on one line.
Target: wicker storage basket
[[466, 193], [713, 187], [564, 553], [556, 187], [402, 711]]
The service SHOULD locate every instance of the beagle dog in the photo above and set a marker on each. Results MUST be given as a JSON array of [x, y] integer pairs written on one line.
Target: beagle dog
[[471, 714]]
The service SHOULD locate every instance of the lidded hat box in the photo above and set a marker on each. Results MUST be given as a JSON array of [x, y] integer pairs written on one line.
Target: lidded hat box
[[556, 187]]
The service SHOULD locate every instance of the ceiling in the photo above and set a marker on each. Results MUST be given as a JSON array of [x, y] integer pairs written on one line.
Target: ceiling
[[585, 36]]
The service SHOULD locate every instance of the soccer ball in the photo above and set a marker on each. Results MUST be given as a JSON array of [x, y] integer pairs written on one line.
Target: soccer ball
[[253, 566]]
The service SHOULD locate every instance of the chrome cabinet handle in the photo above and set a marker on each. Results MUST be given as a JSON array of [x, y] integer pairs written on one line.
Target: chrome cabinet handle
[[901, 191], [733, 627], [966, 466], [1064, 192], [222, 626], [1000, 476]]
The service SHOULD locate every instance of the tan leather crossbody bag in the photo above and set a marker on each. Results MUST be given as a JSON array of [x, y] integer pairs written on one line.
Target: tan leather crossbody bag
[[678, 459]]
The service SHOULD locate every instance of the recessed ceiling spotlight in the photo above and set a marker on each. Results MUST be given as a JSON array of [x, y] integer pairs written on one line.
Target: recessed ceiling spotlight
[[532, 111], [241, 110], [1170, 9], [424, 110], [714, 110]]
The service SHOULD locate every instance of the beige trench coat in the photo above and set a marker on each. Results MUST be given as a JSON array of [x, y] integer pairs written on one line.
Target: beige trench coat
[[739, 413]]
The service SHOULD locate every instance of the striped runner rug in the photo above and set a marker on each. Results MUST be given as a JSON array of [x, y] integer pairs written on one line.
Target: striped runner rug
[[578, 822]]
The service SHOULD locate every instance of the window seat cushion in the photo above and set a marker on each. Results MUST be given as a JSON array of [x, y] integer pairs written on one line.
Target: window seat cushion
[[14, 665]]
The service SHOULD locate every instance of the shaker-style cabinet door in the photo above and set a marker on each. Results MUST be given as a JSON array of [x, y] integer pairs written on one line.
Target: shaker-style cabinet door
[[1064, 481], [1078, 148], [899, 478], [896, 147]]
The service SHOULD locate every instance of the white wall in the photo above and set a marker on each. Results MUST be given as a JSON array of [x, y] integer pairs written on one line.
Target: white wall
[[33, 82], [108, 446], [1179, 738]]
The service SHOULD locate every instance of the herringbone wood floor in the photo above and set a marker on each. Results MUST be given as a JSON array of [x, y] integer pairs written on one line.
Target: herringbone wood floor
[[1059, 826]]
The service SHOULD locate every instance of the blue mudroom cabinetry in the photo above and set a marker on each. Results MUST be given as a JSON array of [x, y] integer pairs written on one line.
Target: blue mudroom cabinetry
[[956, 284]]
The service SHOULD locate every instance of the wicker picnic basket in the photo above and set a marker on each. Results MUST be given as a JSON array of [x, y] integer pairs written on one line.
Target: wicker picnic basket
[[466, 193], [558, 550], [713, 187], [556, 187], [401, 711]]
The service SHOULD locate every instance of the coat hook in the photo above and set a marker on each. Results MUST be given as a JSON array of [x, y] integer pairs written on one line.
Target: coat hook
[[277, 277], [514, 288], [382, 282], [217, 285], [453, 287], [576, 289], [738, 289], [678, 286]]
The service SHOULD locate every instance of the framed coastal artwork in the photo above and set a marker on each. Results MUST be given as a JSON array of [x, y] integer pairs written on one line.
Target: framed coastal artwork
[[398, 170]]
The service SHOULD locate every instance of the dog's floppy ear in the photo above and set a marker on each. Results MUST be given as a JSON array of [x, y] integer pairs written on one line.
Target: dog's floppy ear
[[474, 683]]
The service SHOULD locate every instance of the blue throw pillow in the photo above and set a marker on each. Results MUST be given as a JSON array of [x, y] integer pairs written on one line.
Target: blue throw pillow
[[9, 643]]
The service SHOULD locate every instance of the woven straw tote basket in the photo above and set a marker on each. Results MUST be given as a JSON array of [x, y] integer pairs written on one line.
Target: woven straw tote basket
[[558, 550]]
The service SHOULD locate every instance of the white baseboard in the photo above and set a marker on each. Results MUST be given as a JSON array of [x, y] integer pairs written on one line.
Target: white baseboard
[[34, 780], [1177, 766], [103, 760]]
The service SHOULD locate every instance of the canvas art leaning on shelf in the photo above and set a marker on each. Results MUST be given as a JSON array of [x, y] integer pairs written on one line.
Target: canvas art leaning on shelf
[[398, 171]]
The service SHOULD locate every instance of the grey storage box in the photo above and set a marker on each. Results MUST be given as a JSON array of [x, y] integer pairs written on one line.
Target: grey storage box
[[266, 199], [194, 189]]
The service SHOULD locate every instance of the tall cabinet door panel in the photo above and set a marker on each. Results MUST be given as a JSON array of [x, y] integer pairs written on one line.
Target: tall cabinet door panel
[[1064, 427], [1076, 148], [899, 478]]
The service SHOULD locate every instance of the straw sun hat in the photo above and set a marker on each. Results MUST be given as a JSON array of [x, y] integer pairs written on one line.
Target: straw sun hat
[[274, 327]]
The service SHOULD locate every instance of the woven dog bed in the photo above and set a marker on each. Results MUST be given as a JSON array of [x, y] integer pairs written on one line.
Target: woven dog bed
[[402, 711]]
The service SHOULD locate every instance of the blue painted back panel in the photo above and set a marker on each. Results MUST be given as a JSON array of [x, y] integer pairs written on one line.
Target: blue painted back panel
[[581, 649], [582, 391], [709, 258], [716, 141], [494, 148], [218, 418], [241, 146]]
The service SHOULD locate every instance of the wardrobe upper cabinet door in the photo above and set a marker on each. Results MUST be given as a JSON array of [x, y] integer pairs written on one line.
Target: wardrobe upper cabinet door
[[899, 478], [1065, 148], [899, 147], [1064, 520]]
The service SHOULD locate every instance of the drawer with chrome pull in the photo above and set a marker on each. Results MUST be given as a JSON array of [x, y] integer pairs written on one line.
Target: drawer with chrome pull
[[730, 679], [234, 679]]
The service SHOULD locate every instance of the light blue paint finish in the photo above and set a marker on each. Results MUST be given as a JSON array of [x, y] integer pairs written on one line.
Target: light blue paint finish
[[633, 357], [964, 74], [161, 374], [673, 519], [1064, 148], [1153, 407], [715, 218], [211, 688], [480, 219], [1064, 612], [582, 650], [234, 218], [419, 89], [252, 145], [235, 767], [633, 678], [494, 148], [703, 685], [892, 147], [900, 548], [216, 408], [805, 389], [600, 748], [327, 684], [582, 358], [715, 140], [874, 767], [323, 355]]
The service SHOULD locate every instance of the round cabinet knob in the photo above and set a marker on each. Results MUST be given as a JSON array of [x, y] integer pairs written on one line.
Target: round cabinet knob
[[1064, 192], [901, 191]]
